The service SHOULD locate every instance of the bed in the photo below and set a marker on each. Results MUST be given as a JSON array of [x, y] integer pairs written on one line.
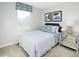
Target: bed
[[36, 43]]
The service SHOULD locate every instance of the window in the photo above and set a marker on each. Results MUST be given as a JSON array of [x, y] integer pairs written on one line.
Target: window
[[22, 15]]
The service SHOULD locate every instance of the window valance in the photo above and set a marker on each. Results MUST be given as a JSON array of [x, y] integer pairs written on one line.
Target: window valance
[[22, 6]]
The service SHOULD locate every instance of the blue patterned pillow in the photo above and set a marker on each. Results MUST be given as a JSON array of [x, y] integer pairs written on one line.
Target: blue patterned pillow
[[42, 28], [46, 29]]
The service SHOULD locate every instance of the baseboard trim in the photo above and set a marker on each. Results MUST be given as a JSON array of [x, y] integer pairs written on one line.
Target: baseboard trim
[[15, 42]]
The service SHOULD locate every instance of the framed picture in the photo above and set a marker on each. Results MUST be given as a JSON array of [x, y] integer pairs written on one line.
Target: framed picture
[[47, 17], [57, 16]]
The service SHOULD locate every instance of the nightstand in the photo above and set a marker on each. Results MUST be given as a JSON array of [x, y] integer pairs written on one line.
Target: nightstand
[[69, 39]]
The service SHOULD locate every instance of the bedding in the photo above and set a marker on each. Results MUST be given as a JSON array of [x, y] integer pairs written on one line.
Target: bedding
[[36, 43]]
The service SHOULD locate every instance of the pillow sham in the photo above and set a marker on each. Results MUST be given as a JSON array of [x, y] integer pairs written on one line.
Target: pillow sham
[[53, 28]]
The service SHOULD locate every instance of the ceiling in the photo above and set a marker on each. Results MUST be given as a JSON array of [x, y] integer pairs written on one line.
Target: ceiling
[[43, 5]]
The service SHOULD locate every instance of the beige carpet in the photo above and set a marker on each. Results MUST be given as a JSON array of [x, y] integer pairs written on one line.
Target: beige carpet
[[16, 51]]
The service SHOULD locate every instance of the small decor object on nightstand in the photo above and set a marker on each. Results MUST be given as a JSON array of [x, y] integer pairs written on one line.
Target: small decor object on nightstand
[[57, 16], [47, 17]]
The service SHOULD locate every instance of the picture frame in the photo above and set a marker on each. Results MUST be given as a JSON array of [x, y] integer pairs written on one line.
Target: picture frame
[[56, 16], [47, 17]]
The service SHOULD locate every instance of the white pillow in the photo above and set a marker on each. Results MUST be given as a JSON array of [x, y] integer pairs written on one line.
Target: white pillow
[[54, 29], [57, 29]]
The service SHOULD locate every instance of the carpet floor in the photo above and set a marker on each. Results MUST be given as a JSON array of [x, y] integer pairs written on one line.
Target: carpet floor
[[57, 51]]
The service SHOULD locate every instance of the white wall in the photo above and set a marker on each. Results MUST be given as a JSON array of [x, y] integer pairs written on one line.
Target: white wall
[[7, 23], [70, 14], [36, 19]]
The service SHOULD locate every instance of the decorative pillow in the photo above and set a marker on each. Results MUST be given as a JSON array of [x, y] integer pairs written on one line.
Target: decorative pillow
[[50, 29], [42, 28], [46, 29]]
